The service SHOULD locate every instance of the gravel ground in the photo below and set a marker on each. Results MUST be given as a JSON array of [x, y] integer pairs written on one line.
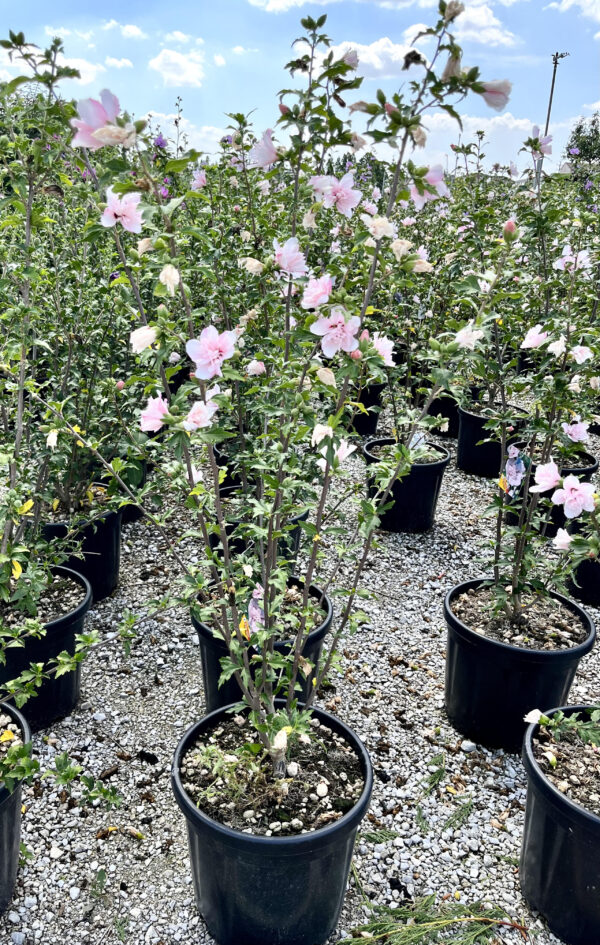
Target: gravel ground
[[392, 695]]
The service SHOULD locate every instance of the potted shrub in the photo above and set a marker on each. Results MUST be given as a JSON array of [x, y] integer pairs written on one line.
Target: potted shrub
[[15, 765], [559, 870]]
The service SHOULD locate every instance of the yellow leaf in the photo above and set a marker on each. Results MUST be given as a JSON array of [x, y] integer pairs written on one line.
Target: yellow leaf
[[245, 628], [23, 808], [450, 789], [17, 570], [55, 504], [7, 736], [24, 509], [369, 310]]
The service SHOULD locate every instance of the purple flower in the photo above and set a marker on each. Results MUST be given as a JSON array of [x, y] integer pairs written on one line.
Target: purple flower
[[164, 191], [574, 151], [160, 141], [113, 276], [588, 185]]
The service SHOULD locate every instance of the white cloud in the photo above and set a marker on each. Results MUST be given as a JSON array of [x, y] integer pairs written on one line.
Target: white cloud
[[409, 34], [87, 35], [53, 31], [241, 50], [381, 59], [589, 8], [128, 30], [179, 68], [203, 138], [178, 37], [219, 60], [479, 25], [118, 63], [88, 71]]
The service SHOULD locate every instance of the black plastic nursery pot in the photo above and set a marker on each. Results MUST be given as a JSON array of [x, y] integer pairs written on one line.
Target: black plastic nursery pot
[[586, 587], [415, 496], [288, 544], [101, 548], [10, 821], [371, 397], [213, 649], [232, 477], [491, 686], [56, 697], [447, 408], [473, 456], [257, 890], [560, 855]]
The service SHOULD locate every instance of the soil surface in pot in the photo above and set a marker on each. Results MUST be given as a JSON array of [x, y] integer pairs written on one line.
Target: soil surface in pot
[[10, 734], [424, 459], [323, 781], [285, 618], [90, 503], [577, 770], [546, 623], [61, 597]]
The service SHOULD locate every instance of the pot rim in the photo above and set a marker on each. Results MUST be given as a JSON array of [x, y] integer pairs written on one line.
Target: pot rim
[[83, 607], [520, 411], [291, 844], [579, 650], [568, 807], [11, 710], [590, 468], [315, 634], [384, 440]]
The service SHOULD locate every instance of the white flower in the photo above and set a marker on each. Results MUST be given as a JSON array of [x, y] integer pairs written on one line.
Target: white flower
[[453, 10], [142, 338], [52, 438], [419, 137], [247, 569], [574, 384], [562, 540], [253, 266], [255, 368], [595, 382], [351, 58], [558, 347], [114, 134], [320, 431], [170, 278], [326, 376], [400, 248], [533, 717], [309, 220], [422, 265], [378, 227], [468, 336], [280, 740], [246, 236], [357, 142]]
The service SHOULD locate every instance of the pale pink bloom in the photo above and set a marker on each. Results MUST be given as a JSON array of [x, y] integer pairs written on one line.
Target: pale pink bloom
[[169, 277], [408, 221], [547, 476], [263, 152], [289, 258], [357, 142], [580, 353], [379, 227], [264, 186], [562, 540], [210, 350], [422, 265], [595, 382], [400, 248], [201, 415], [321, 430], [369, 207], [557, 348], [575, 384], [384, 348], [337, 193], [576, 431], [342, 453], [142, 338], [174, 357], [111, 135], [509, 229], [513, 170], [570, 262], [496, 93], [124, 210], [92, 116], [351, 58], [534, 338], [199, 179], [545, 142], [335, 248], [576, 497], [255, 368], [468, 336], [152, 417], [317, 292], [435, 187], [336, 333], [309, 220]]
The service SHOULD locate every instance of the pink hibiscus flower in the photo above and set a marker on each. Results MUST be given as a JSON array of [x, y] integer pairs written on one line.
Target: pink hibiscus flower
[[210, 350], [534, 338], [547, 476], [202, 412], [124, 210], [289, 257], [92, 116], [337, 193], [576, 497], [336, 333], [317, 292], [152, 417], [384, 348], [263, 152]]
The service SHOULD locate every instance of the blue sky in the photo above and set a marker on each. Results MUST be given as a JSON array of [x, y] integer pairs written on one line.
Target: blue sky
[[228, 55]]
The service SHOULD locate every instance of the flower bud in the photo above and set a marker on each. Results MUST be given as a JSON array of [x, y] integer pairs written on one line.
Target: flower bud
[[510, 231], [356, 355], [120, 385]]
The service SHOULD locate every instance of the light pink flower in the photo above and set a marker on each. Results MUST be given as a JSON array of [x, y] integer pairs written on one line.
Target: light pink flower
[[317, 292], [435, 187], [92, 116], [152, 417], [580, 353], [576, 497], [124, 210], [342, 453], [255, 368], [199, 179], [264, 186], [562, 540], [576, 431], [142, 338], [202, 413], [408, 221], [289, 258], [350, 57], [558, 347], [496, 93], [468, 336], [263, 152], [210, 350], [571, 262], [337, 193], [545, 142], [384, 348], [547, 476], [534, 338], [369, 207], [336, 333]]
